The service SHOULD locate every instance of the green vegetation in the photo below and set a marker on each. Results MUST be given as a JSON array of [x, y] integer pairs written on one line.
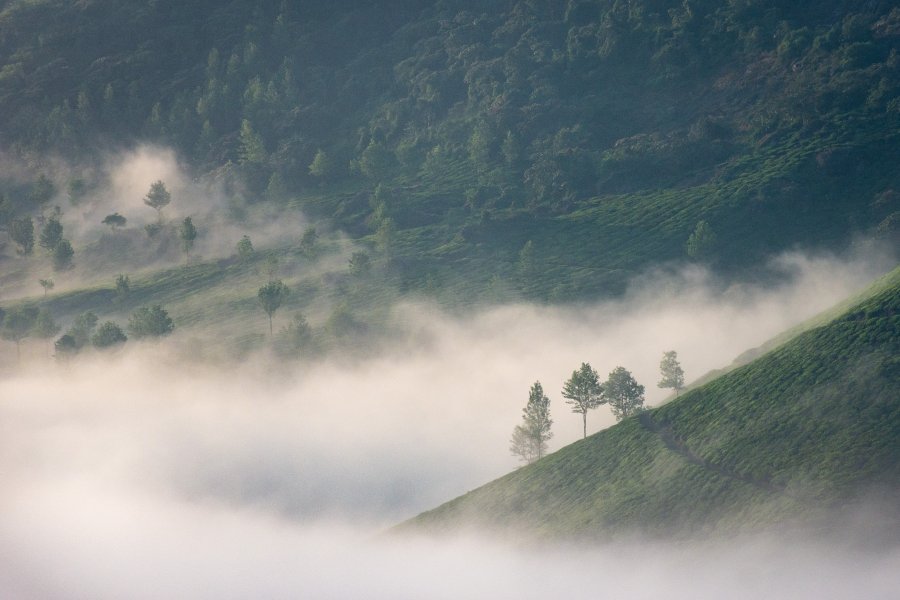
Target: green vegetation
[[529, 440], [811, 426], [487, 126]]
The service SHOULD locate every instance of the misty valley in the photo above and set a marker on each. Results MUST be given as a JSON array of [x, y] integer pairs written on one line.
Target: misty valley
[[411, 299]]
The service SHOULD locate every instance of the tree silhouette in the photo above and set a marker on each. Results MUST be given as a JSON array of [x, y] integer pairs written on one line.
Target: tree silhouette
[[270, 298]]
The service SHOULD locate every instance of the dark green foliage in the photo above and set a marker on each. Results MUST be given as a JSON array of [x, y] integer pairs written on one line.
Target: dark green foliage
[[188, 233], [45, 327], [583, 392], [270, 298], [51, 234], [244, 248], [805, 430], [115, 220], [123, 287], [21, 231], [62, 255], [107, 335], [624, 395], [150, 322], [81, 330], [618, 127], [309, 242], [66, 347], [18, 323]]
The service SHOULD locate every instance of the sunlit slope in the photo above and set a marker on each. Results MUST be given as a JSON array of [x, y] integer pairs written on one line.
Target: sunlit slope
[[812, 426]]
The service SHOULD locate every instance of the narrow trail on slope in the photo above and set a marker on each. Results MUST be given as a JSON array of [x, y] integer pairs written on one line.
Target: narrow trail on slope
[[677, 445]]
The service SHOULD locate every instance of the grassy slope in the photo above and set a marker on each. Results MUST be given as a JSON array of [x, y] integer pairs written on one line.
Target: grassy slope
[[804, 429]]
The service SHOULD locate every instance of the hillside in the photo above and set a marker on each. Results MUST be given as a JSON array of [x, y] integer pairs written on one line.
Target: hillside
[[809, 428], [482, 150]]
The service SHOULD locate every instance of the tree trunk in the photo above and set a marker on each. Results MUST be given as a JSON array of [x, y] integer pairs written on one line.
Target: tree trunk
[[584, 418], [270, 325]]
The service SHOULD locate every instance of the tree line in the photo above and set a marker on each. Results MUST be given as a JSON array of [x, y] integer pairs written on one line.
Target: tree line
[[584, 391]]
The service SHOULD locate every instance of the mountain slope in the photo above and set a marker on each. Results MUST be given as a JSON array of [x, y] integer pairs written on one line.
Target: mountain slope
[[457, 132], [806, 429]]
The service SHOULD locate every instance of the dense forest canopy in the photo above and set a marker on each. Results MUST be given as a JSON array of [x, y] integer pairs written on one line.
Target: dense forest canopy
[[467, 129]]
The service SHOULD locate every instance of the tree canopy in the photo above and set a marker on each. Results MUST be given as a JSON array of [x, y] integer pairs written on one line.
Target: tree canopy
[[583, 392]]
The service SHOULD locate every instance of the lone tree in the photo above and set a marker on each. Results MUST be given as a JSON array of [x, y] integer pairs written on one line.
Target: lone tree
[[188, 233], [115, 221], [47, 284], [107, 335], [625, 395], [672, 375], [270, 297], [245, 248], [150, 321], [529, 440], [17, 325], [583, 392], [21, 231], [158, 198]]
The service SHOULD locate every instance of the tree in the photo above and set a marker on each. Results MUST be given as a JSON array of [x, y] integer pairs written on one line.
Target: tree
[[702, 242], [107, 335], [188, 233], [583, 392], [321, 166], [624, 394], [375, 160], [51, 234], [21, 231], [42, 190], [81, 329], [529, 440], [270, 297], [158, 198], [245, 248], [671, 372], [296, 338], [123, 287], [114, 221], [66, 347], [47, 284], [18, 324], [309, 242], [253, 149], [150, 321], [62, 256], [45, 328]]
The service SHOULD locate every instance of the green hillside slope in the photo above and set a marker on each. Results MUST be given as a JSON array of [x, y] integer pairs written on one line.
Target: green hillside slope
[[806, 429]]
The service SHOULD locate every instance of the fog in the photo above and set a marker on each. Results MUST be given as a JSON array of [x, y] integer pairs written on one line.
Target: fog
[[143, 475]]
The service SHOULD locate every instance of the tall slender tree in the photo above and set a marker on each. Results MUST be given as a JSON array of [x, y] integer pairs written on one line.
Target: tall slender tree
[[158, 198], [672, 375], [529, 439], [270, 297], [583, 392]]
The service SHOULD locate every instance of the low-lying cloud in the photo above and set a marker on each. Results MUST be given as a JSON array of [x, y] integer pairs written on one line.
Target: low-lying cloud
[[142, 476]]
